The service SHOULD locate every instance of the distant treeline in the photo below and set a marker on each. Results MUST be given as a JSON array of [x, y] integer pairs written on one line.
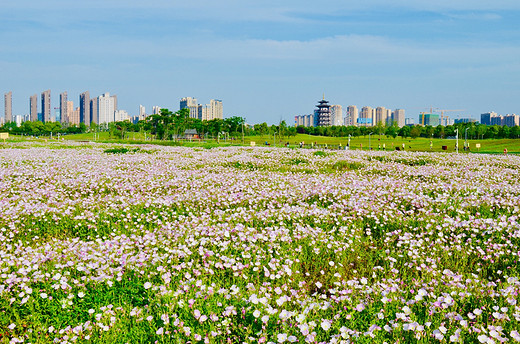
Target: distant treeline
[[171, 125]]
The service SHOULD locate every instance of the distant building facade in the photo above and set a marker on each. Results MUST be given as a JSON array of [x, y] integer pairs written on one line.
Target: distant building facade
[[398, 117], [46, 106], [64, 114], [94, 113], [107, 105], [84, 108], [8, 111], [336, 115], [352, 115], [33, 107], [208, 112], [485, 118], [429, 119]]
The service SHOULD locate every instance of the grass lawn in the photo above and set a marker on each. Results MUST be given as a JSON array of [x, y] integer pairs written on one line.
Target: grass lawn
[[375, 142]]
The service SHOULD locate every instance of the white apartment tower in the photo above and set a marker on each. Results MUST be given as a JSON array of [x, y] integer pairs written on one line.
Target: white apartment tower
[[106, 108], [381, 115], [366, 118], [398, 117], [191, 104], [336, 114], [352, 115]]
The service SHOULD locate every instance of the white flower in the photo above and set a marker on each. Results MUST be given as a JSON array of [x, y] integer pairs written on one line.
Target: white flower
[[319, 285], [515, 335], [147, 285], [282, 337], [292, 339], [483, 338], [325, 324], [160, 331], [81, 294], [43, 295], [256, 313], [12, 326], [265, 318]]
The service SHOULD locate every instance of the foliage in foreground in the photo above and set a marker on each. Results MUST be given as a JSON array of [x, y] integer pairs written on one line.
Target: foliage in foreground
[[257, 245]]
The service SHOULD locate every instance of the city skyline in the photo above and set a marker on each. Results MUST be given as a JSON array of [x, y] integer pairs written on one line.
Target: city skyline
[[405, 54]]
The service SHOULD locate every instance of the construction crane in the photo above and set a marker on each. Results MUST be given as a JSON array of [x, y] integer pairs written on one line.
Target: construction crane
[[444, 110]]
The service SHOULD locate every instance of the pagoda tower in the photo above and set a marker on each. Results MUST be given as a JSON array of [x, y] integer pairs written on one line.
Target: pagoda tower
[[323, 112]]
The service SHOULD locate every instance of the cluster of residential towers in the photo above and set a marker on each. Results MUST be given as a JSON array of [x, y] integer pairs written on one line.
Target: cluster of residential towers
[[100, 110], [332, 115]]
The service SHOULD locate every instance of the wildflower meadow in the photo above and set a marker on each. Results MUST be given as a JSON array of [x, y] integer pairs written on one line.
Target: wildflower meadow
[[105, 243]]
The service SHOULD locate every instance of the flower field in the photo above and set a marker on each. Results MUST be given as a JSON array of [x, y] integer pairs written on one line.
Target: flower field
[[103, 244]]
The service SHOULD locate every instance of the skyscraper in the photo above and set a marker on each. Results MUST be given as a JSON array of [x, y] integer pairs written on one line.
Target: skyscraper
[[64, 114], [381, 114], [46, 106], [366, 118], [191, 104], [84, 108], [94, 113], [33, 107], [70, 111], [8, 115], [106, 108], [353, 115], [398, 117], [142, 110], [485, 118], [336, 114], [210, 111]]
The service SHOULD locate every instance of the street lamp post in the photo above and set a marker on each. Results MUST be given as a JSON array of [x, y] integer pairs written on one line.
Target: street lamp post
[[466, 139], [369, 147], [457, 138], [274, 139], [348, 147]]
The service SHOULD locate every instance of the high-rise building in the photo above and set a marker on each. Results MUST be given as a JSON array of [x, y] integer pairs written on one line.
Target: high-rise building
[[71, 120], [511, 120], [210, 111], [94, 113], [366, 117], [121, 115], [142, 110], [352, 115], [74, 114], [8, 114], [46, 106], [64, 114], [33, 107], [381, 115], [398, 117], [84, 108], [485, 118], [191, 104], [106, 108], [429, 119], [336, 114], [156, 110]]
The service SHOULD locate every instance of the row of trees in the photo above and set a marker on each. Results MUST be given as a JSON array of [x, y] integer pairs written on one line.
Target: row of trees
[[171, 125], [39, 128], [474, 131]]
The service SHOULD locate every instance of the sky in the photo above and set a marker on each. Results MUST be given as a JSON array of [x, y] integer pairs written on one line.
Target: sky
[[266, 60]]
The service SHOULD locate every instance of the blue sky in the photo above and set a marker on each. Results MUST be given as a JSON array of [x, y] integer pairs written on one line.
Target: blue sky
[[267, 60]]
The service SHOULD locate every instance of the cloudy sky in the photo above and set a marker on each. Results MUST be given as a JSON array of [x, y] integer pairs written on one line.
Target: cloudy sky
[[267, 60]]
